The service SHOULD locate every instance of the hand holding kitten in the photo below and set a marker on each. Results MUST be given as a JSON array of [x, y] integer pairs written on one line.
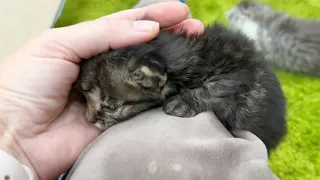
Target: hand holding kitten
[[41, 125]]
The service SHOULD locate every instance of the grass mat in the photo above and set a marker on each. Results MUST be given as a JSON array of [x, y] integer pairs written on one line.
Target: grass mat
[[298, 157]]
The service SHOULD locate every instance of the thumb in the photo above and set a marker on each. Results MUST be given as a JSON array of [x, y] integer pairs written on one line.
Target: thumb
[[90, 38]]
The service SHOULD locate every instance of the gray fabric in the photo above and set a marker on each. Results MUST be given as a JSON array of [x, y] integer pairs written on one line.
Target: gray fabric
[[155, 146]]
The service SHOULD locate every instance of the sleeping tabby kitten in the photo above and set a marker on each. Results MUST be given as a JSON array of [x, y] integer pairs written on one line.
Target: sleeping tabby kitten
[[289, 43], [220, 71]]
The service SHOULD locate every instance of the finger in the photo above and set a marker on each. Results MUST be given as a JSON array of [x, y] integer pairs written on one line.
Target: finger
[[93, 37], [90, 38], [166, 13], [188, 27]]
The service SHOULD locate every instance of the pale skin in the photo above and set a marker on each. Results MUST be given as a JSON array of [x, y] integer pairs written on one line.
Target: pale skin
[[42, 124]]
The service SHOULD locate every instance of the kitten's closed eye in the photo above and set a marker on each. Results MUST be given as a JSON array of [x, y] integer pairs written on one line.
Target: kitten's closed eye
[[109, 108]]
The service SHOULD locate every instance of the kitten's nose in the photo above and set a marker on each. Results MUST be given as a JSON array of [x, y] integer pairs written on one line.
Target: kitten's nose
[[91, 117]]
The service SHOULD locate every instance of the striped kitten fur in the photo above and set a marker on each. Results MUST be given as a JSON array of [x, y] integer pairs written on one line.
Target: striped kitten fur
[[289, 43]]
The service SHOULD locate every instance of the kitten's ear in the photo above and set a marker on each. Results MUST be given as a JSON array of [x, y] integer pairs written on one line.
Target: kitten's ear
[[148, 78]]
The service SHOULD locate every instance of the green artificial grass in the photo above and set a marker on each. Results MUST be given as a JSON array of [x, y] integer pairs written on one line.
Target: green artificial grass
[[298, 157]]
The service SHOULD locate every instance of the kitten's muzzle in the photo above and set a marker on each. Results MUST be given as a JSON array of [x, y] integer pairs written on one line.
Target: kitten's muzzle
[[104, 123], [101, 122]]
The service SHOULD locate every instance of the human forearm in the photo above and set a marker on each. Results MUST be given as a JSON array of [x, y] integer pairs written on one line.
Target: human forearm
[[14, 164]]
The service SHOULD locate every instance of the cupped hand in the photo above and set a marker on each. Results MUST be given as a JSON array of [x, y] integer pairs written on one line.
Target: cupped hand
[[42, 124]]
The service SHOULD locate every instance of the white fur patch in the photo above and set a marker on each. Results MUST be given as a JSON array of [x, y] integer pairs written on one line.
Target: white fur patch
[[242, 23], [147, 71], [250, 28]]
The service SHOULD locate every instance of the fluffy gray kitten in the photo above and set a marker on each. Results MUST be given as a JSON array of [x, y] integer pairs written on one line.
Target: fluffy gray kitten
[[289, 43]]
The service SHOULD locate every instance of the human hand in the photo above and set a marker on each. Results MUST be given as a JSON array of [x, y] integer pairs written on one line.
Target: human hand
[[42, 124]]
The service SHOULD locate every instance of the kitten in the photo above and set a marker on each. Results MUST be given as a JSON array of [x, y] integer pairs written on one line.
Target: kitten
[[289, 43], [221, 71]]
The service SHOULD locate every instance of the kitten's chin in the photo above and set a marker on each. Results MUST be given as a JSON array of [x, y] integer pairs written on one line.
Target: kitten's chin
[[100, 125], [103, 124]]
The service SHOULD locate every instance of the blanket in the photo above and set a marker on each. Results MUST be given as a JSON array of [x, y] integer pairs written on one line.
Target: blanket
[[157, 146]]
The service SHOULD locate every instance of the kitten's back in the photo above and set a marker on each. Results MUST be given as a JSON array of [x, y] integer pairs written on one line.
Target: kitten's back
[[289, 43]]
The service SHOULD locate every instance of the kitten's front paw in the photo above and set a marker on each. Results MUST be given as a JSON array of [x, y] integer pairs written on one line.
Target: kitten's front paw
[[178, 107]]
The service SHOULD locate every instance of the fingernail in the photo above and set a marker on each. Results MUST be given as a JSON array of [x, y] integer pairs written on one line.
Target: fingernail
[[146, 26]]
